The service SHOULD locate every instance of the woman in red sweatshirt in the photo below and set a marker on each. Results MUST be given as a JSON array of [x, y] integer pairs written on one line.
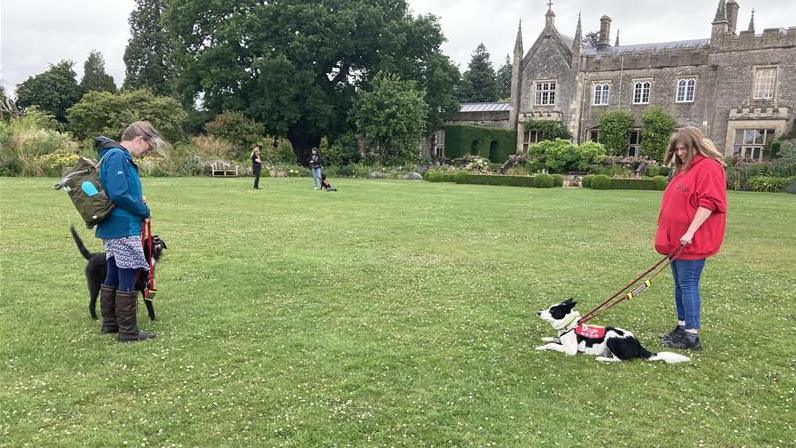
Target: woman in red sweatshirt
[[693, 213]]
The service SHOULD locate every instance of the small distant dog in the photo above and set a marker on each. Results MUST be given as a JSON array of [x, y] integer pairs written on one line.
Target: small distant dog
[[96, 270], [607, 343], [325, 185]]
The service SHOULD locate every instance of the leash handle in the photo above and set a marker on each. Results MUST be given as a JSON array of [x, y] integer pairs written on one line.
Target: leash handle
[[146, 237]]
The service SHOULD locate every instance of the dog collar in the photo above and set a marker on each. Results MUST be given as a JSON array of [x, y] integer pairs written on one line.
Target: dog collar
[[573, 322]]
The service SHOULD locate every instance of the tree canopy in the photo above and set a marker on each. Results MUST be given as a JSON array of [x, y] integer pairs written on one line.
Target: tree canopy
[[479, 83], [149, 56], [54, 90], [106, 113], [503, 79], [295, 65], [391, 116], [94, 76]]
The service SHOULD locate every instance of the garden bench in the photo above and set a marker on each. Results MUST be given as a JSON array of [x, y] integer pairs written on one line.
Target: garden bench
[[222, 168]]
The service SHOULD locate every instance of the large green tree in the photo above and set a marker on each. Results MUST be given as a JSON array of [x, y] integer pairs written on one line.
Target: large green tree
[[54, 90], [479, 83], [94, 76], [295, 65], [503, 79], [390, 114], [149, 56]]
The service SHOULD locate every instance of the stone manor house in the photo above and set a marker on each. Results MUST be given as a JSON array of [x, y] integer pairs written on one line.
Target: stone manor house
[[738, 86]]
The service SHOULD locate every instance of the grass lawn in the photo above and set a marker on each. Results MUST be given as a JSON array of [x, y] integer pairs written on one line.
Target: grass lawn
[[390, 313]]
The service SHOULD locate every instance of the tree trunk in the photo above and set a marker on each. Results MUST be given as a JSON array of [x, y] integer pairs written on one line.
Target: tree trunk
[[302, 144]]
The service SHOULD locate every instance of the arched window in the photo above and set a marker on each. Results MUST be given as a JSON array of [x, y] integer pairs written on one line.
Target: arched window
[[601, 94], [641, 92], [685, 90]]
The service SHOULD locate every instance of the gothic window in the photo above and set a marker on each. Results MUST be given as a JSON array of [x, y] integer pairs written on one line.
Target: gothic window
[[545, 93], [685, 90], [750, 143], [765, 79], [641, 92], [531, 136], [601, 94], [634, 143]]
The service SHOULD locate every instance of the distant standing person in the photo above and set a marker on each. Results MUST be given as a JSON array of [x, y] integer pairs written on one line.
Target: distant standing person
[[693, 214], [257, 165], [316, 166]]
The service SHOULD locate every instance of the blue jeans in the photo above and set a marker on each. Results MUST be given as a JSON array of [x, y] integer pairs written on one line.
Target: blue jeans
[[120, 279], [316, 177], [686, 291]]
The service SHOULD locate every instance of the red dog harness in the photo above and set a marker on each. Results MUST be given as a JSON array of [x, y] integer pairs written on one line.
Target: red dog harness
[[590, 331]]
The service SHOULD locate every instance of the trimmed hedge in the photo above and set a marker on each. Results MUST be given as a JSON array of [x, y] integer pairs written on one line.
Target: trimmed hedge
[[494, 179], [558, 180], [543, 181], [438, 176], [602, 182], [768, 183], [461, 140]]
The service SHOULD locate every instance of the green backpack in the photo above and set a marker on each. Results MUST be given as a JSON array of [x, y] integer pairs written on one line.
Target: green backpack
[[83, 184]]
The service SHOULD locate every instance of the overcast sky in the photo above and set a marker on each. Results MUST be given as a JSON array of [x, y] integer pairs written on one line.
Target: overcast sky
[[36, 33]]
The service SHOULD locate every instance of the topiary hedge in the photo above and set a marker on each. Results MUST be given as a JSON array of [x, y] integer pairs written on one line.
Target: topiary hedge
[[602, 182], [495, 179], [543, 181], [438, 176], [558, 180], [491, 143], [768, 183]]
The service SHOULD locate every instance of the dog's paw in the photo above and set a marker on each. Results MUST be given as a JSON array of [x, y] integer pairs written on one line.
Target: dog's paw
[[541, 347], [549, 339], [607, 359]]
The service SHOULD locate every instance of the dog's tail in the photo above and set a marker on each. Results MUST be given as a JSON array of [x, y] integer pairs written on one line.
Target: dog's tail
[[82, 248], [668, 357]]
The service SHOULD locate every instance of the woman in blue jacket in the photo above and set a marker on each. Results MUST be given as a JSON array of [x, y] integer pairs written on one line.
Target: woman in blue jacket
[[121, 230]]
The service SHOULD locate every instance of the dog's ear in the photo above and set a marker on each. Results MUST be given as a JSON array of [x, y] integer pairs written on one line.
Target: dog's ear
[[569, 303]]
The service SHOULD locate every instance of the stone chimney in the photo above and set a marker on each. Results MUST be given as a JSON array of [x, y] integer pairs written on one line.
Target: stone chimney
[[732, 15], [605, 32]]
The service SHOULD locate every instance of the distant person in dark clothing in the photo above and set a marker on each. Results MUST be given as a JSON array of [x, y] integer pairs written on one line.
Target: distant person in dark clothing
[[257, 165], [316, 166], [325, 185]]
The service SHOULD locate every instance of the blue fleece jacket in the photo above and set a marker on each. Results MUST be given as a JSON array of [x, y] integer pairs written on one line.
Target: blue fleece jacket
[[119, 177]]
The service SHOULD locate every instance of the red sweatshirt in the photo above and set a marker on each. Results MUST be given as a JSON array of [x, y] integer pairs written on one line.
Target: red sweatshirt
[[703, 185]]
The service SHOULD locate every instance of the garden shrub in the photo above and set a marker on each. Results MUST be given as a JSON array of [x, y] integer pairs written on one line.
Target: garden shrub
[[586, 181], [615, 127], [106, 113], [543, 181], [636, 184], [768, 183], [237, 129], [460, 177], [653, 171], [660, 182], [657, 128], [558, 180], [601, 182]]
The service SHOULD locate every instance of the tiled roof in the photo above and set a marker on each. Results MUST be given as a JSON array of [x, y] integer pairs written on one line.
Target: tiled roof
[[641, 48], [484, 107]]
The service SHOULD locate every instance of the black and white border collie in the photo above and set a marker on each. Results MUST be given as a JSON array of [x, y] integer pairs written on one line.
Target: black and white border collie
[[606, 343]]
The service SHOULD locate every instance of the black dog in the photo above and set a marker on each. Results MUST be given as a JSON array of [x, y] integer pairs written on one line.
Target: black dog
[[96, 270]]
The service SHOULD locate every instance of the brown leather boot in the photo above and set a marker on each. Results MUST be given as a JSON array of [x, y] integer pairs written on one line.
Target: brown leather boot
[[126, 307], [108, 309]]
